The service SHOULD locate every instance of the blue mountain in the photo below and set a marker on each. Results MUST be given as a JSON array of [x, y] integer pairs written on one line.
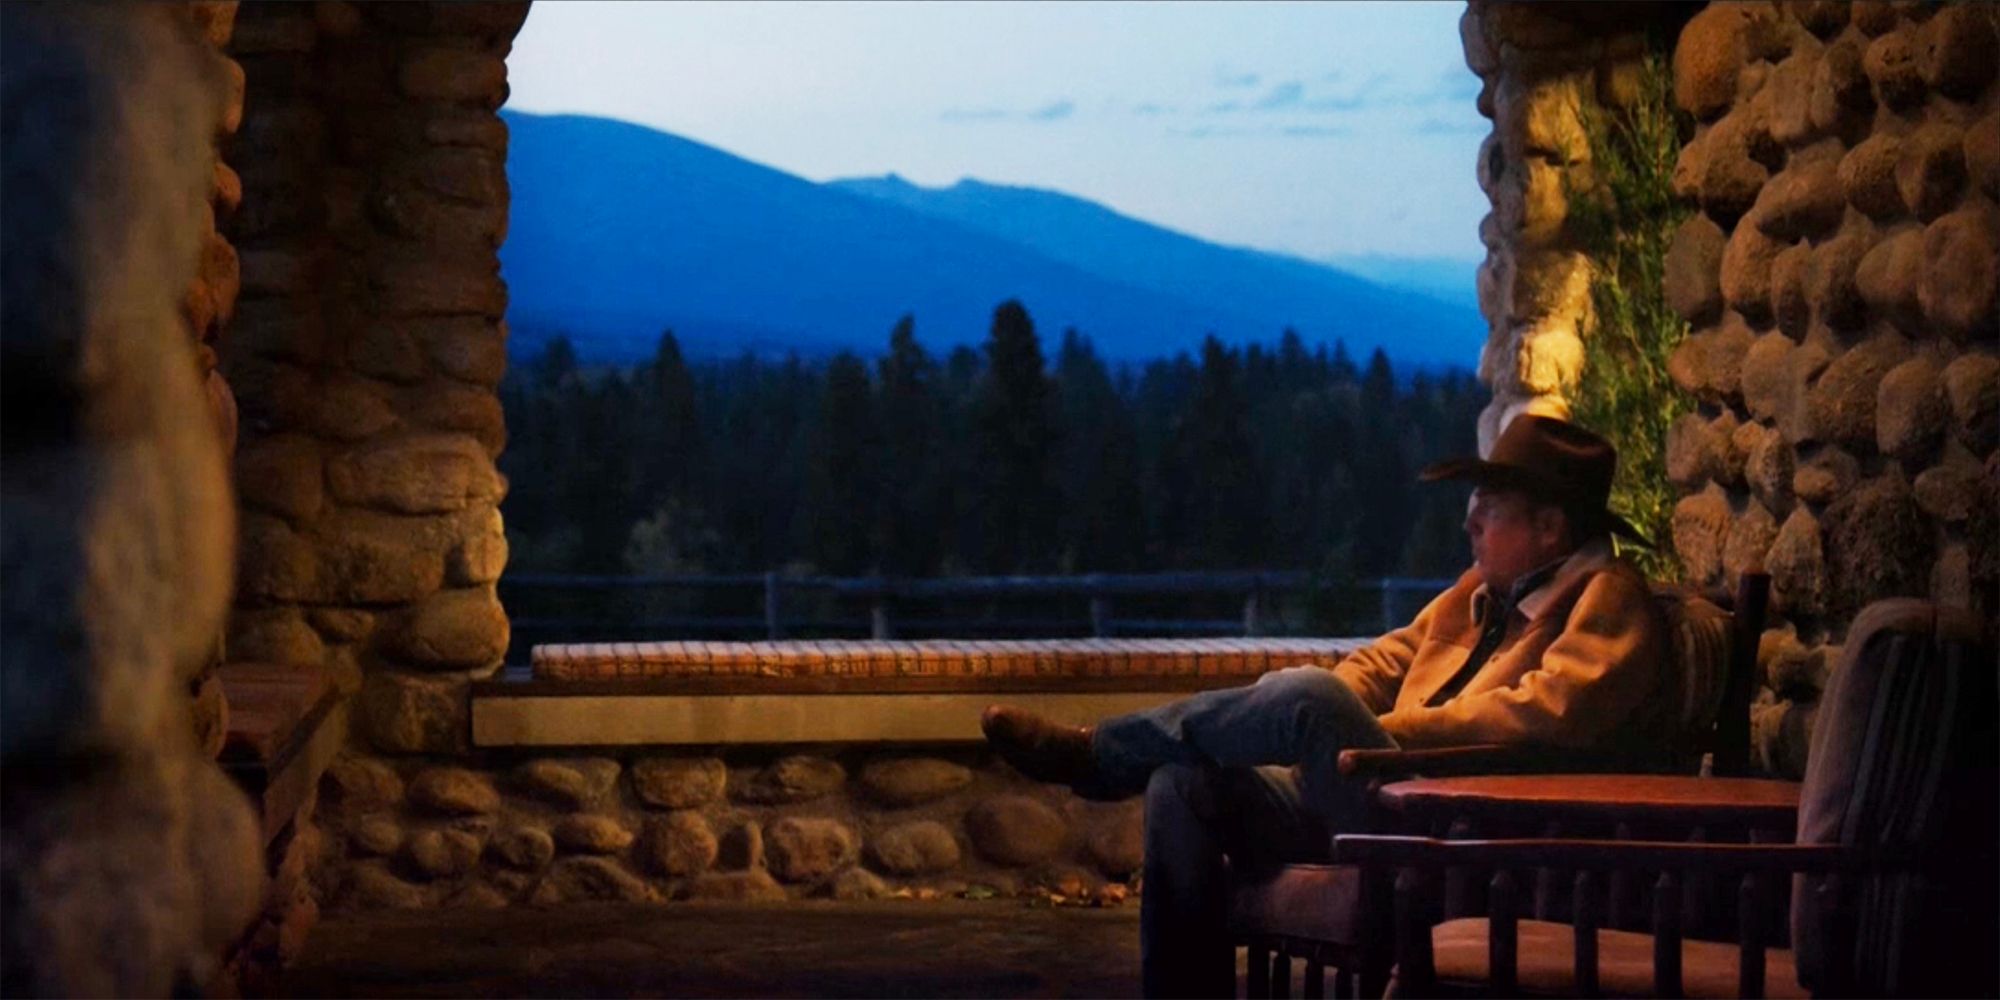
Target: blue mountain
[[619, 231], [1444, 278]]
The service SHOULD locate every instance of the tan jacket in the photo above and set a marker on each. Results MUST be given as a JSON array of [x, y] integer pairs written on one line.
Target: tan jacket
[[1583, 664]]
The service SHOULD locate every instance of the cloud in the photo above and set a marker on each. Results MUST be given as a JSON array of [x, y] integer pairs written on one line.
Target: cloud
[[1369, 94], [1262, 131], [1282, 96], [1054, 111], [1231, 81], [1335, 93], [1453, 86]]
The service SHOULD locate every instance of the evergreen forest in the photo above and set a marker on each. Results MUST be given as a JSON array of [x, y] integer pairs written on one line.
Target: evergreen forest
[[999, 461]]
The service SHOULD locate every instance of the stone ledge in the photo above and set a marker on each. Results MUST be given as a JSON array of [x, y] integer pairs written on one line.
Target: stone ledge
[[658, 719]]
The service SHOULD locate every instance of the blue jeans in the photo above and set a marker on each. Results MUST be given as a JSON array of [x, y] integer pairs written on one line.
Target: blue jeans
[[1250, 773]]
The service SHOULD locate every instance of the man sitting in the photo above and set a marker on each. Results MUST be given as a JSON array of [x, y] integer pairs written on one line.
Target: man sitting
[[1547, 639]]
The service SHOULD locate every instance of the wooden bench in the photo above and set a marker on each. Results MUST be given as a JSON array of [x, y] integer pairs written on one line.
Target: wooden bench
[[284, 729]]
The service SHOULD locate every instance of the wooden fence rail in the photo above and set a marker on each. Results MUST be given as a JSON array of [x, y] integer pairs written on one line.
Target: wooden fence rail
[[1256, 589]]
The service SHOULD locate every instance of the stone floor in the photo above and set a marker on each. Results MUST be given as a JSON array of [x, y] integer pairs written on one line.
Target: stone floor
[[992, 948]]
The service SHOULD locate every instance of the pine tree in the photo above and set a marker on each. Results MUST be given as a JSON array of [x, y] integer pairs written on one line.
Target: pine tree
[[1158, 408], [843, 472], [1102, 526], [1342, 364], [1381, 467], [669, 440], [1216, 507], [1296, 370], [557, 364], [601, 494], [912, 521], [1012, 527]]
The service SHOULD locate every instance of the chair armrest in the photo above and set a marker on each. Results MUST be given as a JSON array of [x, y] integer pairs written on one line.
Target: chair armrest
[[1601, 855], [1481, 758]]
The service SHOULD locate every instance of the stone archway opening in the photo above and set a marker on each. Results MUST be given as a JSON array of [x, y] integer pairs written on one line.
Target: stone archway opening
[[370, 332], [1844, 437]]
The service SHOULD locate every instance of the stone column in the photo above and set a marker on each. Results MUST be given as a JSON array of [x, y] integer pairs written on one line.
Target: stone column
[[131, 860], [209, 305], [370, 343], [1539, 64]]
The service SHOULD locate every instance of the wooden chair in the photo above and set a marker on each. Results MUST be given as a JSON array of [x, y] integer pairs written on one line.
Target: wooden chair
[[1893, 871], [1333, 915]]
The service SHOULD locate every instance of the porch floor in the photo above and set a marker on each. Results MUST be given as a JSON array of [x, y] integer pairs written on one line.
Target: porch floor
[[990, 948]]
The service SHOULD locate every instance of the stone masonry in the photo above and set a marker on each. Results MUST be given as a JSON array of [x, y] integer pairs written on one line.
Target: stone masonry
[[130, 860], [1841, 282], [751, 823], [364, 354], [759, 822], [208, 306], [366, 350]]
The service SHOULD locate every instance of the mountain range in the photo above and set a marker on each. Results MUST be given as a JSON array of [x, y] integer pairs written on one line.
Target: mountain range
[[619, 231]]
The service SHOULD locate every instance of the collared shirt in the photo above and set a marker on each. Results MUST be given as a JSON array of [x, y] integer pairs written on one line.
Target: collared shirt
[[1534, 602], [1530, 595]]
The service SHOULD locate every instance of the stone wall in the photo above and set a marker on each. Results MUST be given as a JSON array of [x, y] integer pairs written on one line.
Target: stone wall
[[366, 349], [1840, 279], [747, 824]]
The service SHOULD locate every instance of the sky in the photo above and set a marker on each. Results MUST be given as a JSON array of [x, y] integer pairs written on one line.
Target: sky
[[1322, 129]]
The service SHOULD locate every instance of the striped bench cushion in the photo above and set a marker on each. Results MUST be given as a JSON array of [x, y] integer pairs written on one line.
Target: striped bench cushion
[[1053, 658]]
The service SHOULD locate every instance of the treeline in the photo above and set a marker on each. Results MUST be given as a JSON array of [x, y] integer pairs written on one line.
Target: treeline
[[995, 461]]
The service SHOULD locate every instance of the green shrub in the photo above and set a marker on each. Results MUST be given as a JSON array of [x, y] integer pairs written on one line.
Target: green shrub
[[1624, 221]]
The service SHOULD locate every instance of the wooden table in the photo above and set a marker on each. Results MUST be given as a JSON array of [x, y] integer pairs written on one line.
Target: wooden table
[[1598, 806], [1609, 798]]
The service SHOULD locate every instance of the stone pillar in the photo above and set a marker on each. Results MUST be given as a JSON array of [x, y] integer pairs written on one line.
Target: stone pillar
[[131, 860], [367, 352], [209, 305], [1539, 64], [1841, 281]]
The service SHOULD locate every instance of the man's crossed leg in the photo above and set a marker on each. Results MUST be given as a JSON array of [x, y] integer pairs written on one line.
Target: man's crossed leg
[[1248, 772]]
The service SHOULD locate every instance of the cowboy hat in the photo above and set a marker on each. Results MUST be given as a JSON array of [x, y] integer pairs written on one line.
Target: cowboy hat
[[1552, 460]]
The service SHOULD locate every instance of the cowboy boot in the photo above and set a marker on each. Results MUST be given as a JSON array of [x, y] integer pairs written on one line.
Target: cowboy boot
[[1039, 748]]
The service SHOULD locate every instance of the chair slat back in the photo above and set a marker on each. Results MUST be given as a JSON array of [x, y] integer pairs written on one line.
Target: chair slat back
[[1903, 758], [1732, 723], [1715, 650]]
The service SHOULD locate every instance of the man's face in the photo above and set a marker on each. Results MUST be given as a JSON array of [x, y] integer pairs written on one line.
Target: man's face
[[1511, 535]]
